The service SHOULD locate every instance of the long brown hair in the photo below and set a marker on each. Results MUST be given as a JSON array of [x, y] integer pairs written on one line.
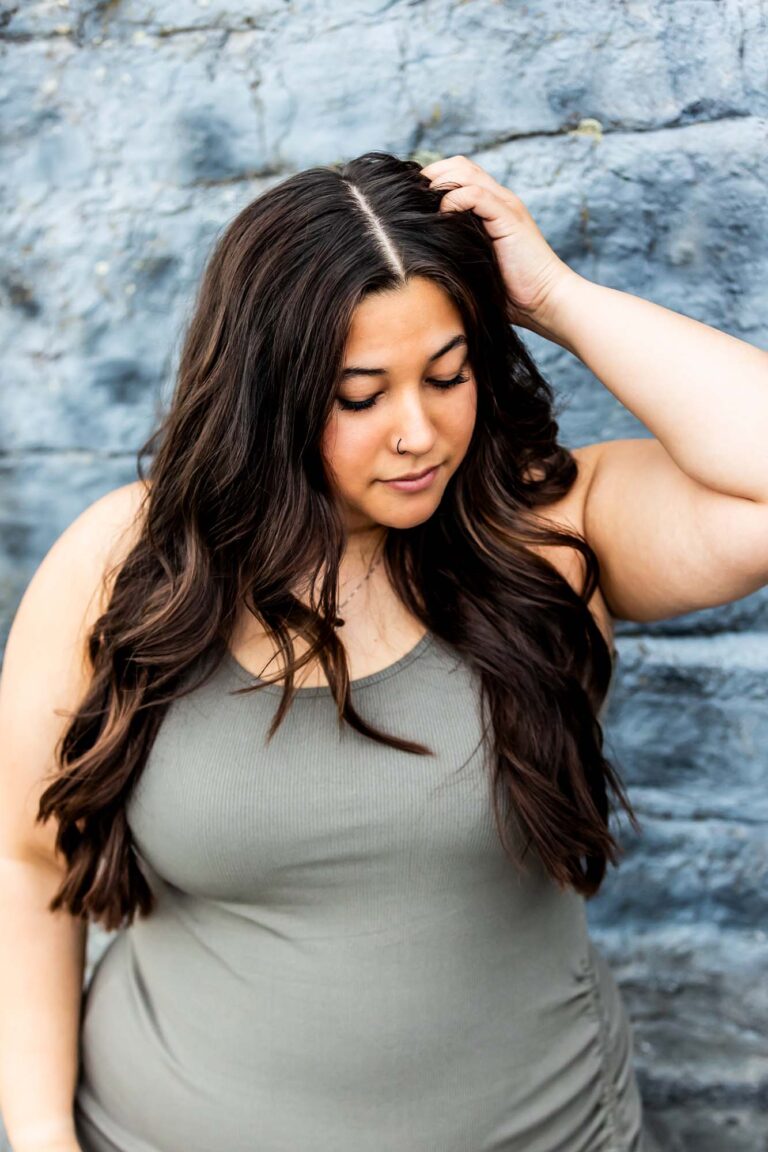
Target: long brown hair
[[239, 511]]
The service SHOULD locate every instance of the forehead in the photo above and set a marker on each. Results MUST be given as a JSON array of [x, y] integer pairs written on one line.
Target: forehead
[[413, 316]]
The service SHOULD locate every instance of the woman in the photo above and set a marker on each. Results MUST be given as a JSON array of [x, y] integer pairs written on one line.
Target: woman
[[337, 772]]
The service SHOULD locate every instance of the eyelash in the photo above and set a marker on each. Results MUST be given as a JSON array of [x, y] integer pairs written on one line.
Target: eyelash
[[362, 405]]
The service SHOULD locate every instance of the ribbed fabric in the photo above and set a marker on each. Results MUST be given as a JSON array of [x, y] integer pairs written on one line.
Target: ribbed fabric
[[342, 957]]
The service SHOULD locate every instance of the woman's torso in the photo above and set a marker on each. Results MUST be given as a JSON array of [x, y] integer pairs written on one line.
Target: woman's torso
[[342, 957]]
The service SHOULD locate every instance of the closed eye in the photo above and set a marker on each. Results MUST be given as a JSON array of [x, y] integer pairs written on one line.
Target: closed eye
[[360, 405]]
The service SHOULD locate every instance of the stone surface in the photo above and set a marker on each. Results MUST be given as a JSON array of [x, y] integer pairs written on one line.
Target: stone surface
[[133, 130], [698, 1001]]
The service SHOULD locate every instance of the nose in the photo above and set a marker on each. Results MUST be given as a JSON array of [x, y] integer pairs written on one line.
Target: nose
[[413, 426]]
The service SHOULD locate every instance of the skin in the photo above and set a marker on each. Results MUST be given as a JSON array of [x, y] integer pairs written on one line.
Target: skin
[[398, 331]]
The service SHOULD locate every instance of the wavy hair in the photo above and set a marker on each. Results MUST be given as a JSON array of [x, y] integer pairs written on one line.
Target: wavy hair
[[240, 510]]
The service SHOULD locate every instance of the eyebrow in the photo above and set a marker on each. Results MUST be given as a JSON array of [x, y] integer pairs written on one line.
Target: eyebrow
[[455, 342]]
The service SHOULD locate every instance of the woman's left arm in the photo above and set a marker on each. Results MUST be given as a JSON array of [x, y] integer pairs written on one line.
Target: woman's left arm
[[679, 522], [704, 394]]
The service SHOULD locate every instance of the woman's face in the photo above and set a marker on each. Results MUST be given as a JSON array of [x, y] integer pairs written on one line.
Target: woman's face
[[428, 402]]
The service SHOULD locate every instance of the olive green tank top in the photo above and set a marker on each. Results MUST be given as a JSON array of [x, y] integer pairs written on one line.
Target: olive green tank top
[[342, 958]]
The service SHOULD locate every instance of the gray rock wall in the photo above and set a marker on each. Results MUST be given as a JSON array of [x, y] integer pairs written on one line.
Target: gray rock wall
[[636, 133]]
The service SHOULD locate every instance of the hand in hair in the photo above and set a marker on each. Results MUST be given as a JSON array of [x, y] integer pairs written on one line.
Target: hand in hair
[[532, 271]]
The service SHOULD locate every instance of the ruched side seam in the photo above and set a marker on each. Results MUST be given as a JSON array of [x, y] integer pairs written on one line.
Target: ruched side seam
[[608, 1094]]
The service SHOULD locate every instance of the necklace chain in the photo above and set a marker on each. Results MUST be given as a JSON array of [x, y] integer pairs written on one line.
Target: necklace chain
[[372, 568]]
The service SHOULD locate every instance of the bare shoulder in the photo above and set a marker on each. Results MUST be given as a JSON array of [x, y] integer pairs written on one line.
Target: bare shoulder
[[45, 667], [569, 513], [89, 548], [124, 516], [113, 522], [96, 542]]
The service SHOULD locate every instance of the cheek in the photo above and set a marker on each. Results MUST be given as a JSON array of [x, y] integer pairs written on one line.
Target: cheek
[[349, 447], [462, 415]]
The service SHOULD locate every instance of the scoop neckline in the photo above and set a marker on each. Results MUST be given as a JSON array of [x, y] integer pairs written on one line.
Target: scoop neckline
[[407, 658]]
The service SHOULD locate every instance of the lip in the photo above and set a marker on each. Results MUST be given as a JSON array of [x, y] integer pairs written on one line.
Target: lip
[[415, 475], [415, 482]]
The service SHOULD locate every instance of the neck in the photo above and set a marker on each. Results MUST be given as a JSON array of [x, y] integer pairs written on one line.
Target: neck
[[363, 547]]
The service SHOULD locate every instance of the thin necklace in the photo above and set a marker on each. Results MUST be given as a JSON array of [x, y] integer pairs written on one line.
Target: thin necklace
[[338, 622]]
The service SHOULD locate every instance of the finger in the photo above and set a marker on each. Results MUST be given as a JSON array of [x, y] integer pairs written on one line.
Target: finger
[[514, 203], [455, 168], [492, 209], [439, 166], [451, 181], [469, 173]]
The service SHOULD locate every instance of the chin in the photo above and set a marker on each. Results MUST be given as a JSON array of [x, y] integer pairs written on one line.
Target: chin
[[409, 516]]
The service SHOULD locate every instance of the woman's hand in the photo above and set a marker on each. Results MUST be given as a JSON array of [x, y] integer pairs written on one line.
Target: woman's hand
[[534, 274]]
